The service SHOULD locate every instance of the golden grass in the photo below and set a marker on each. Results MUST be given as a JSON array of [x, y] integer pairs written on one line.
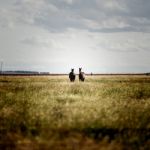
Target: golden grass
[[104, 112]]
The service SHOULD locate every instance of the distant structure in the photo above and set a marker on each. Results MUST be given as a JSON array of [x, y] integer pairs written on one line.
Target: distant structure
[[72, 75], [1, 71], [81, 75]]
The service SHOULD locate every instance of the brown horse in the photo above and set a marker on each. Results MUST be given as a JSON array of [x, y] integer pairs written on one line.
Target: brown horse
[[72, 75], [81, 75]]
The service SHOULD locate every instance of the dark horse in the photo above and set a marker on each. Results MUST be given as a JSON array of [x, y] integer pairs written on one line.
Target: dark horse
[[72, 75], [81, 75]]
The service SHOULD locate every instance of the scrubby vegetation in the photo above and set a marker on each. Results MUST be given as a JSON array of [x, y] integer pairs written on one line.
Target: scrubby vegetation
[[104, 112]]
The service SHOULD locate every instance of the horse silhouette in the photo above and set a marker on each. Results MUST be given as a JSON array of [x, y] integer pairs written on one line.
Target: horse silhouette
[[81, 75], [72, 75]]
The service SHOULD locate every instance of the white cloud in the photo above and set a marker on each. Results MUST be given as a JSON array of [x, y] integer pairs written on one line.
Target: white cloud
[[68, 1], [57, 15], [114, 5], [100, 35]]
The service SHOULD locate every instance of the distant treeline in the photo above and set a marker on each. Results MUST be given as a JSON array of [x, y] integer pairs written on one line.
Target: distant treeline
[[23, 73], [123, 74], [36, 73]]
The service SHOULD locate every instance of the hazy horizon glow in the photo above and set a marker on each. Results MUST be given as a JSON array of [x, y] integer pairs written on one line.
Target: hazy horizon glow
[[56, 35]]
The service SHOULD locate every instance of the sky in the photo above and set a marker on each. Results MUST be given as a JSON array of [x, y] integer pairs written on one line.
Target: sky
[[101, 36]]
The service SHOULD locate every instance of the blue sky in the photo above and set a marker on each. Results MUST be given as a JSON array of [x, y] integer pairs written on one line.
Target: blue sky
[[101, 36]]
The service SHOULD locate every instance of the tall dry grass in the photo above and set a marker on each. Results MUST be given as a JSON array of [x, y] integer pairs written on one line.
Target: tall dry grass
[[110, 112]]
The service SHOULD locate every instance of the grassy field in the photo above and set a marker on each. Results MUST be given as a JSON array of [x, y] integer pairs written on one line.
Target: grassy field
[[104, 112]]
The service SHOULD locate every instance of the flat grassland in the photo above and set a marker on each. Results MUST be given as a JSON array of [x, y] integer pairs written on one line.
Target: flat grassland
[[104, 112]]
